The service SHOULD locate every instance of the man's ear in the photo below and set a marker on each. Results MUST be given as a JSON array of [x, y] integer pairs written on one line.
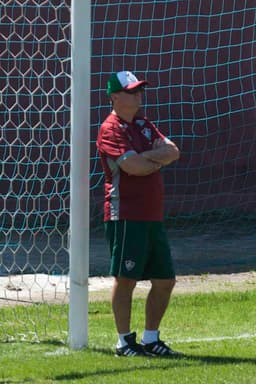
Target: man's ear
[[113, 97]]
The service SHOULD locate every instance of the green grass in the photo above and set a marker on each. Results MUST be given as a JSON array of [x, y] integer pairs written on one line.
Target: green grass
[[190, 317]]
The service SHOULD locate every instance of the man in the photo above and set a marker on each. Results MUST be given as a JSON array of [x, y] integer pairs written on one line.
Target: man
[[132, 152]]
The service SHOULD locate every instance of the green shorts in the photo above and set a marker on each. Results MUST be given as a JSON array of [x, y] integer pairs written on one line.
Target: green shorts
[[139, 250]]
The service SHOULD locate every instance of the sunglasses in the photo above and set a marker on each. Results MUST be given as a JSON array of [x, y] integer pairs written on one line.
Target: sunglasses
[[135, 90]]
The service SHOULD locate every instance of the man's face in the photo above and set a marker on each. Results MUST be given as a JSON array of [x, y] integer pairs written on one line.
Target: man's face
[[128, 100]]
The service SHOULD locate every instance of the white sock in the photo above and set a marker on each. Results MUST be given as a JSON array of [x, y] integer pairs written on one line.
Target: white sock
[[150, 336], [121, 341]]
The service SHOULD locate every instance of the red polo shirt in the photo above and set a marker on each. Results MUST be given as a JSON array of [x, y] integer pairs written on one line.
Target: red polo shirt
[[128, 197]]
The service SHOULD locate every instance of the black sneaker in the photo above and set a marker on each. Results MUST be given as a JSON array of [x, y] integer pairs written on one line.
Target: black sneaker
[[132, 348], [159, 348]]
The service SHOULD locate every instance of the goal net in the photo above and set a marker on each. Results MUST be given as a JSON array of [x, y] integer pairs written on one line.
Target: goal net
[[35, 162], [199, 57]]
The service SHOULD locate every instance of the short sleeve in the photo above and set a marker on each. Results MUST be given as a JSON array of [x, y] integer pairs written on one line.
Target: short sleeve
[[113, 141]]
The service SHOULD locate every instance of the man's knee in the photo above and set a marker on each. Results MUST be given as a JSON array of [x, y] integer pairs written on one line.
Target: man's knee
[[164, 285], [124, 283]]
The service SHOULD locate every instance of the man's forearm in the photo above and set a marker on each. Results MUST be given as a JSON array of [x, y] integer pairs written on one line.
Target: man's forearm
[[138, 165], [145, 163], [146, 168], [163, 155]]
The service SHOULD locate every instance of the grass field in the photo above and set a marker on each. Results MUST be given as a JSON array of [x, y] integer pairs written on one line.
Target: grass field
[[215, 331]]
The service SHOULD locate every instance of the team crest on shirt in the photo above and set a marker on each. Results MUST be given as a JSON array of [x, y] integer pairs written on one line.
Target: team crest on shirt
[[147, 133], [129, 265]]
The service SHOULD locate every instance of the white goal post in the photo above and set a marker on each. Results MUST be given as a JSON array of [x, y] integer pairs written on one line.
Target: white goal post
[[80, 161]]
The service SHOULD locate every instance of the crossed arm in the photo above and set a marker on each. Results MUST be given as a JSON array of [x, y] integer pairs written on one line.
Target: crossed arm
[[164, 152]]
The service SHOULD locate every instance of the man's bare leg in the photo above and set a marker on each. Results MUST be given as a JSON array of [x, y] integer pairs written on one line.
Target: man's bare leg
[[122, 303], [157, 302]]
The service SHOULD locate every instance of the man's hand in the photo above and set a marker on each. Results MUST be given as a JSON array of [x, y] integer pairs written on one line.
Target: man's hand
[[164, 152], [158, 143]]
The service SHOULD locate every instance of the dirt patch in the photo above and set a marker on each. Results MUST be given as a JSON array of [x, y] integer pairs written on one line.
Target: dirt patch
[[43, 288], [100, 287]]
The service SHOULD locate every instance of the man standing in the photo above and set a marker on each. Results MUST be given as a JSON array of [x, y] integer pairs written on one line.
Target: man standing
[[132, 152]]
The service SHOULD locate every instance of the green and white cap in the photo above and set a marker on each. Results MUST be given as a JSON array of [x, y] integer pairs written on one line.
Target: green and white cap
[[122, 81]]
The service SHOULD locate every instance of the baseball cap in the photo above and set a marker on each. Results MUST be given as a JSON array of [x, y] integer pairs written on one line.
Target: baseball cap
[[122, 81]]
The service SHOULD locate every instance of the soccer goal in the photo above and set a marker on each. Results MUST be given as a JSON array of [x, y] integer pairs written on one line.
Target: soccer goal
[[199, 57]]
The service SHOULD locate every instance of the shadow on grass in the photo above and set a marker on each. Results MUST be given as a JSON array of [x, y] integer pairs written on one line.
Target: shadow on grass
[[168, 362]]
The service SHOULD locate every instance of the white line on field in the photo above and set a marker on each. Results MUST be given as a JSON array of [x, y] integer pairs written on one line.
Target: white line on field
[[217, 338], [67, 351]]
